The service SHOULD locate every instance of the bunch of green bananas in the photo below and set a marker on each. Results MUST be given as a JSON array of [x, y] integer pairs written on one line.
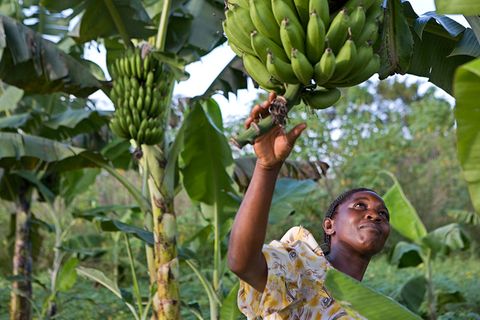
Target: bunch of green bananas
[[286, 42], [141, 93]]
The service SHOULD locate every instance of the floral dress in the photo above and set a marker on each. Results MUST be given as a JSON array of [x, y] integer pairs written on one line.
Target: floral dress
[[295, 284]]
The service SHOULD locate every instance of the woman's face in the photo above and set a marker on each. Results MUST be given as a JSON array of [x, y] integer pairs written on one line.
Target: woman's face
[[361, 223]]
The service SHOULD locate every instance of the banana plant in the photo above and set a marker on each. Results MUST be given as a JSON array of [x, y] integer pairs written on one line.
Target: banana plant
[[422, 247]]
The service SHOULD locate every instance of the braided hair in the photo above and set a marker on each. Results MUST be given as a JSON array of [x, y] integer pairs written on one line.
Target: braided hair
[[332, 209]]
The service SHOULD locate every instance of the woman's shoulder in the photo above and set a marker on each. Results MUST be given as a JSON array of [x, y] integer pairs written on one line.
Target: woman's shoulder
[[298, 236]]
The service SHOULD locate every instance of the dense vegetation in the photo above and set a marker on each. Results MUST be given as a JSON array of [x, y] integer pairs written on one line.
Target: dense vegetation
[[408, 133]]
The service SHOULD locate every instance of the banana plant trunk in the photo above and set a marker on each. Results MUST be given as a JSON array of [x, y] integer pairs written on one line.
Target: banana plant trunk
[[167, 298], [21, 294]]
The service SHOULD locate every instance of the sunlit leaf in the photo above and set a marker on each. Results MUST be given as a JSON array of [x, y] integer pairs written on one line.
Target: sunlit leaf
[[466, 7], [67, 276], [372, 305], [467, 115], [447, 238], [403, 216], [229, 309]]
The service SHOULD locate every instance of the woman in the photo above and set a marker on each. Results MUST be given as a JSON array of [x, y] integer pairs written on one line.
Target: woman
[[285, 279]]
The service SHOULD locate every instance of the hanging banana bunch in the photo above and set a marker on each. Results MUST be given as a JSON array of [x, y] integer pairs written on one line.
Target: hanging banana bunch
[[299, 42], [141, 95]]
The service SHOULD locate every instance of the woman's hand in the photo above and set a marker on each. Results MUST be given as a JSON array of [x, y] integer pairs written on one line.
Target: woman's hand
[[273, 147]]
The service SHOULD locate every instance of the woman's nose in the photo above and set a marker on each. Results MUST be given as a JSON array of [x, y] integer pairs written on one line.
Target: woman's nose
[[373, 215]]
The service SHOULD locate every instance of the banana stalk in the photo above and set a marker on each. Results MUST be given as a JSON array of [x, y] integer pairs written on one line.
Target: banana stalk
[[292, 98], [21, 295], [167, 300]]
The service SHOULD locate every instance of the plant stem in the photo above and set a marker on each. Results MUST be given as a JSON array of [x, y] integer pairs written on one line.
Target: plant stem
[[217, 258], [213, 300], [57, 260], [162, 26], [136, 289], [148, 222], [117, 20]]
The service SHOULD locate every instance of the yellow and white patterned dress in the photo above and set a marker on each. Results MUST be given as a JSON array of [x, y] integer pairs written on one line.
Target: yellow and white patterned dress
[[295, 285]]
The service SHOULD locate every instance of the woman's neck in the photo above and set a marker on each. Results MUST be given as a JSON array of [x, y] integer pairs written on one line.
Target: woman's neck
[[352, 264]]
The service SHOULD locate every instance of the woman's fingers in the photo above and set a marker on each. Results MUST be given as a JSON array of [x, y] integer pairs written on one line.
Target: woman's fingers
[[260, 110], [293, 135]]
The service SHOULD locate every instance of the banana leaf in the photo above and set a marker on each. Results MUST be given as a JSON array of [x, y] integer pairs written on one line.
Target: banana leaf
[[10, 97], [403, 216], [466, 7], [36, 65], [205, 155], [372, 305], [438, 41], [467, 114]]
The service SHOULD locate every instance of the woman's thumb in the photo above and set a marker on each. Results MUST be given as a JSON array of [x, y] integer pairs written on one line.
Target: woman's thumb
[[293, 135]]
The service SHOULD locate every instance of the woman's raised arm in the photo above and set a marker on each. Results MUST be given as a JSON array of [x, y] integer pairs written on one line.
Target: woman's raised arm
[[245, 257]]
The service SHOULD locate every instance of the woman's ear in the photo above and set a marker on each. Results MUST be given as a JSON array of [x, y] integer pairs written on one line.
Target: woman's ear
[[329, 226]]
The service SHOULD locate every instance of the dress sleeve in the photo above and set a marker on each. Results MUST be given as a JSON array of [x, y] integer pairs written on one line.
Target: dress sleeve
[[281, 288]]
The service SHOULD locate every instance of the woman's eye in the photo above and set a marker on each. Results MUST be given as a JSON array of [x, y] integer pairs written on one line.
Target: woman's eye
[[360, 205]]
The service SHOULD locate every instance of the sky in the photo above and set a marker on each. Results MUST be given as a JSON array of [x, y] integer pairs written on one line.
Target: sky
[[203, 72]]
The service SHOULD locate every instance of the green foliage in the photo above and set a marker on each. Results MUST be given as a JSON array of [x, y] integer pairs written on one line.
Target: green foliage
[[467, 113], [352, 294], [37, 66], [404, 217]]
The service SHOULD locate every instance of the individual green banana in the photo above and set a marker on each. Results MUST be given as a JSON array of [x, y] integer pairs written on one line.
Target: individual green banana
[[133, 131], [301, 67], [284, 9], [149, 79], [337, 32], [345, 60], [261, 45], [321, 8], [303, 10], [369, 34], [257, 70], [133, 67], [117, 129], [324, 69], [352, 4], [280, 70], [235, 49], [357, 21], [264, 20], [315, 39], [364, 55], [291, 37], [146, 65], [371, 68], [375, 12], [235, 35], [138, 64], [242, 21], [322, 98]]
